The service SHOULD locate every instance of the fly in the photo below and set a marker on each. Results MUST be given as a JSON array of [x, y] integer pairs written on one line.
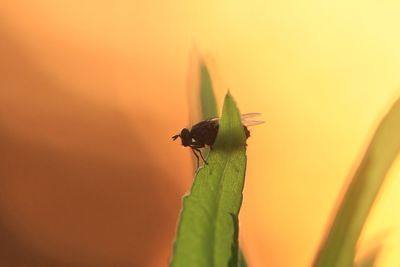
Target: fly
[[205, 132]]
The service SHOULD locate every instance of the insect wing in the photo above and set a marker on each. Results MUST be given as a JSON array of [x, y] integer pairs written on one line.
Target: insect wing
[[249, 123], [250, 115], [248, 119]]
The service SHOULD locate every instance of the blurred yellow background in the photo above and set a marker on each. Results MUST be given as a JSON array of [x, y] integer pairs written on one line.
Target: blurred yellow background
[[92, 91]]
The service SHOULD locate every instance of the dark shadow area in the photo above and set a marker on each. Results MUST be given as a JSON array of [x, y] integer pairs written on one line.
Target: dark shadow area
[[78, 188]]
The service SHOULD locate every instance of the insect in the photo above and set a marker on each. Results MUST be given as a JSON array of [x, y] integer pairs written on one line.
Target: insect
[[205, 132]]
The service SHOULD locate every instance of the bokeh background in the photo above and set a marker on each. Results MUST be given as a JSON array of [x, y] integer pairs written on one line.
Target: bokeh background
[[92, 91]]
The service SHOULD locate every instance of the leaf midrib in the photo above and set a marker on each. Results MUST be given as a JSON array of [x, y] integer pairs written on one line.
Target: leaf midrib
[[218, 210]]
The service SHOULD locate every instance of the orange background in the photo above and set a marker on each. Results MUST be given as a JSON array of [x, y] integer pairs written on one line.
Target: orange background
[[92, 91]]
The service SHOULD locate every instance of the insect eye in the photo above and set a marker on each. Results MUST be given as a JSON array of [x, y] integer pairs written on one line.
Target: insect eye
[[185, 133]]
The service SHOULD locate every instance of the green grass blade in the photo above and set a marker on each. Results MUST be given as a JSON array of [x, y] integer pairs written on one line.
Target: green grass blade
[[209, 109], [370, 262], [207, 96], [338, 248], [208, 102], [242, 259], [208, 228], [370, 259]]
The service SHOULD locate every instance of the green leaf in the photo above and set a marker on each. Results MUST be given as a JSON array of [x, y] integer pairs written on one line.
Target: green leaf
[[207, 97], [207, 233], [242, 259], [370, 259], [209, 110], [370, 262], [208, 102], [338, 249]]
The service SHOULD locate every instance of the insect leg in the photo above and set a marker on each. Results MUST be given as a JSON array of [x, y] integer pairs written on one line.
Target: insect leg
[[201, 155], [198, 160]]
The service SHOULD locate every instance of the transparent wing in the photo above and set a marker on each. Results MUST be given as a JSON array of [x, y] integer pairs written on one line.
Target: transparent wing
[[250, 115], [249, 123], [247, 119]]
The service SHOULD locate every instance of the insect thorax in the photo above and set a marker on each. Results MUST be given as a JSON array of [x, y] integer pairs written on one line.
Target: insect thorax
[[205, 132]]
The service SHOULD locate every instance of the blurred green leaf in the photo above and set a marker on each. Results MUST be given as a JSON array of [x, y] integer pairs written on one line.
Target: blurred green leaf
[[370, 259], [242, 259], [338, 249], [208, 102], [208, 228], [207, 97]]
